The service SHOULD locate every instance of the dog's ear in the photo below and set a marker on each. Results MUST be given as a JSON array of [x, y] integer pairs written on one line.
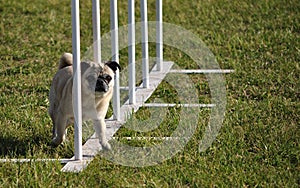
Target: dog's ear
[[113, 65]]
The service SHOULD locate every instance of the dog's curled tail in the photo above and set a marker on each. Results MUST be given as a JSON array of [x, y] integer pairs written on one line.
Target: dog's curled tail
[[65, 60]]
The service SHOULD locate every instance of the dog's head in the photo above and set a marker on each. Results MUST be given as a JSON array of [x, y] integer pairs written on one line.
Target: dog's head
[[99, 79], [105, 79]]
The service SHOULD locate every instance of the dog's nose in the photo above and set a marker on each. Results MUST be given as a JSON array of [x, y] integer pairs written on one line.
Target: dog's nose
[[105, 89], [101, 86]]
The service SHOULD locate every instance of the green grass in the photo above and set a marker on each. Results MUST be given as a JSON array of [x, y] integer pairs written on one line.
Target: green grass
[[258, 144]]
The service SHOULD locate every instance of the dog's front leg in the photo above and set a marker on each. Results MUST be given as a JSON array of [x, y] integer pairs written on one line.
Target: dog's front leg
[[59, 129], [100, 128]]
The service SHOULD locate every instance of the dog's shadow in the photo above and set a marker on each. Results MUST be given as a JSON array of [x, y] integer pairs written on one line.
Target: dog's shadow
[[14, 147]]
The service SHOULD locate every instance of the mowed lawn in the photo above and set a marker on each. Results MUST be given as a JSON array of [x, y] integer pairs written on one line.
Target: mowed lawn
[[259, 142]]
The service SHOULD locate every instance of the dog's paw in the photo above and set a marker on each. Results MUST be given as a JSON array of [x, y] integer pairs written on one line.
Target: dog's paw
[[105, 146], [56, 141]]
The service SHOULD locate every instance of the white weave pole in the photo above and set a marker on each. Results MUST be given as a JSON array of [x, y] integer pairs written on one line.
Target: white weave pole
[[115, 56], [145, 52], [96, 31], [131, 51], [159, 34], [76, 80]]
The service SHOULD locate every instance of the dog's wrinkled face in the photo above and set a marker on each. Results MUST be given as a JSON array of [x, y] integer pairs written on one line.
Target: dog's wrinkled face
[[102, 83], [99, 79]]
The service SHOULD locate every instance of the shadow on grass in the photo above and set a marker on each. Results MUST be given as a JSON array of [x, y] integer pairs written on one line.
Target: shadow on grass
[[13, 147]]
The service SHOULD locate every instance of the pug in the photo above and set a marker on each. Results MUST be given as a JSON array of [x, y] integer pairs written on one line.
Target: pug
[[97, 81]]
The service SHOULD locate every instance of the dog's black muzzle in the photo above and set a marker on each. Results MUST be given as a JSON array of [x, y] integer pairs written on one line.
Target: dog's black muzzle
[[101, 85]]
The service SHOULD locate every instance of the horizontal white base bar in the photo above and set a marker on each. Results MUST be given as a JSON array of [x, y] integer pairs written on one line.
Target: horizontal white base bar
[[204, 71], [149, 138], [178, 105], [126, 88], [63, 161]]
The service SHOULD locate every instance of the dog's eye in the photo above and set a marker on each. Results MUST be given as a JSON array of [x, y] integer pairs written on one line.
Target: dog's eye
[[107, 78]]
